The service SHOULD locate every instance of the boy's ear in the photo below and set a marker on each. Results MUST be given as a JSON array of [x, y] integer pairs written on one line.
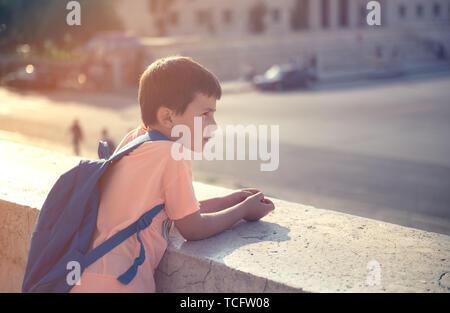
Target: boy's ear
[[164, 117]]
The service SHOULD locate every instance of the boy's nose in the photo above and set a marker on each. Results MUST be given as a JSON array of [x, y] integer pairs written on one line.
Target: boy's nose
[[210, 129], [213, 125]]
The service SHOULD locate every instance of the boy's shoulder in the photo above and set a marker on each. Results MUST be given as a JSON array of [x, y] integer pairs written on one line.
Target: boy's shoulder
[[166, 149], [161, 148], [133, 134], [164, 153]]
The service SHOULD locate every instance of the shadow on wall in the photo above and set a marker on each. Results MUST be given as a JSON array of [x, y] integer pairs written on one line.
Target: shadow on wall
[[235, 260], [240, 235]]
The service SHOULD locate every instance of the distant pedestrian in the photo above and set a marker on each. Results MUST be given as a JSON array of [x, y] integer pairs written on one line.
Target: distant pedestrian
[[108, 140], [440, 52], [312, 64], [379, 52], [77, 136], [249, 71]]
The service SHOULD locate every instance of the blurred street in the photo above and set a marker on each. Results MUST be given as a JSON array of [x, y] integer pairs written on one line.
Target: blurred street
[[375, 148]]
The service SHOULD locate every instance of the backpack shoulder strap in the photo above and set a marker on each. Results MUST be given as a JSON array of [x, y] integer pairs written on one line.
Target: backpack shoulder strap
[[152, 135], [143, 222]]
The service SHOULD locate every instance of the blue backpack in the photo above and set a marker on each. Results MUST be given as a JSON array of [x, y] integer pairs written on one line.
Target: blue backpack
[[60, 242]]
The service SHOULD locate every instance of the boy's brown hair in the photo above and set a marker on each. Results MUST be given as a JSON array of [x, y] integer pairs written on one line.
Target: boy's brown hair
[[173, 82]]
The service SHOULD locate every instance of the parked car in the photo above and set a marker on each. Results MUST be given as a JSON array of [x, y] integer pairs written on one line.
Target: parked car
[[280, 77], [29, 77]]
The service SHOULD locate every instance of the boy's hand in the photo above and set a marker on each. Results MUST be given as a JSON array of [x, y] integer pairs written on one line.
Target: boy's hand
[[241, 194], [256, 207], [198, 225]]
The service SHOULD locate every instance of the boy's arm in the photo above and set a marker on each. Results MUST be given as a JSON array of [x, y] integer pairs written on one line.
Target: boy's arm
[[220, 203], [213, 205], [199, 225]]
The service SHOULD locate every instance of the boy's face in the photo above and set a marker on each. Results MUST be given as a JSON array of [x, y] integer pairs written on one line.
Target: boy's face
[[202, 107]]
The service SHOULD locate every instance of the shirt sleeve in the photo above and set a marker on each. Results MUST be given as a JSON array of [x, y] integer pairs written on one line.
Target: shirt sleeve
[[180, 200]]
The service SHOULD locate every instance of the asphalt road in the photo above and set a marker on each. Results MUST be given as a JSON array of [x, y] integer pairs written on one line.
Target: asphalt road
[[378, 149], [374, 149]]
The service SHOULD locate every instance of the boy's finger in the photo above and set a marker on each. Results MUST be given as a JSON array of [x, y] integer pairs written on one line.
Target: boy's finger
[[268, 203], [245, 194], [251, 190], [258, 195]]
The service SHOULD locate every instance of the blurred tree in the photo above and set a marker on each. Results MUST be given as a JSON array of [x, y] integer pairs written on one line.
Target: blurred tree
[[40, 22]]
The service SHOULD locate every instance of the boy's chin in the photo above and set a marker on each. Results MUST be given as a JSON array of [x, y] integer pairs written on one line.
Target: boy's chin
[[199, 148]]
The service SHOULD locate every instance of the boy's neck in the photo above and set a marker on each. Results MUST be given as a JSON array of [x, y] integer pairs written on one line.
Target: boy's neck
[[162, 130]]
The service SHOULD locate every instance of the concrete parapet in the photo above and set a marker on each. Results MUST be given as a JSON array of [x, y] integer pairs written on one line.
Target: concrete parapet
[[296, 248]]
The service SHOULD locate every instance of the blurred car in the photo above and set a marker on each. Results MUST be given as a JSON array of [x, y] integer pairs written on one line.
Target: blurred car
[[29, 77], [280, 77]]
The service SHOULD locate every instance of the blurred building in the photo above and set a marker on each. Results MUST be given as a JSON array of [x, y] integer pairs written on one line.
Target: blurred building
[[234, 36]]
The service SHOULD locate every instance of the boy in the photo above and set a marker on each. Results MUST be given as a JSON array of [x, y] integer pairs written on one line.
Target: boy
[[172, 91]]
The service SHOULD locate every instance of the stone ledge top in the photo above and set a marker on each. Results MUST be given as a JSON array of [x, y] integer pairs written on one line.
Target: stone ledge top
[[301, 247], [316, 250], [28, 173]]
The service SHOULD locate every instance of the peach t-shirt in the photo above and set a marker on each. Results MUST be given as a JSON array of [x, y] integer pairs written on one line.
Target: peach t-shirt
[[136, 183]]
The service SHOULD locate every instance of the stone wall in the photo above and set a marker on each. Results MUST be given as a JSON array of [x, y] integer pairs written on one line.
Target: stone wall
[[296, 248]]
